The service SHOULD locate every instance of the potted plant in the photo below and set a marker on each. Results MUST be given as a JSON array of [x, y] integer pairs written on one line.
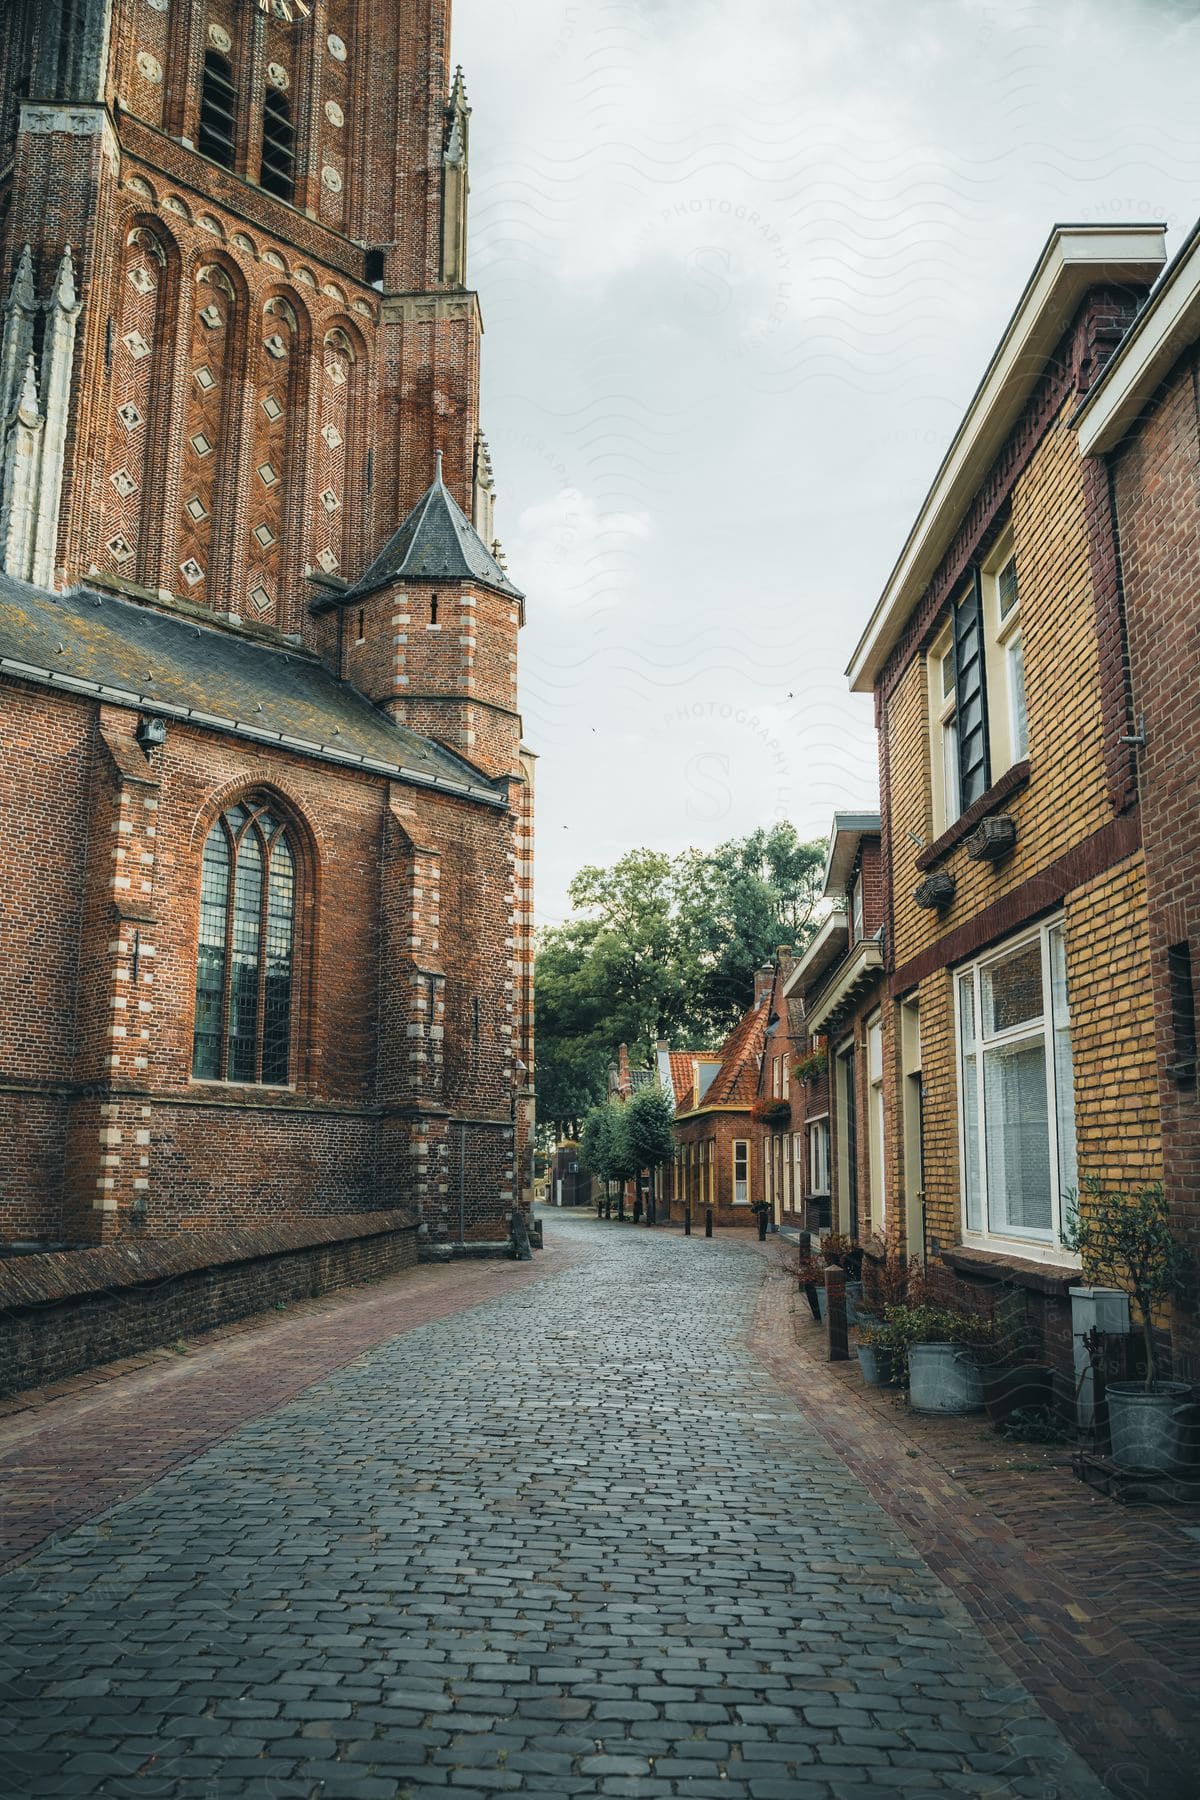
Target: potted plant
[[937, 1345], [811, 1068], [1126, 1241], [774, 1114], [877, 1356], [885, 1278]]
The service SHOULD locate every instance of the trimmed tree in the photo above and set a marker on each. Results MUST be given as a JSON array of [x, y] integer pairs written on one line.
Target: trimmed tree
[[596, 1146], [650, 1121], [1126, 1241]]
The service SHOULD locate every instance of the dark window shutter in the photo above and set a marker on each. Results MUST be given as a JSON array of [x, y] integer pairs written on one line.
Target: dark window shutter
[[974, 770]]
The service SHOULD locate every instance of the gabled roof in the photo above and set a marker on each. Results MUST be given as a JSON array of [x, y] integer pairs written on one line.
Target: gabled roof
[[437, 542], [153, 661], [736, 1082], [1075, 258]]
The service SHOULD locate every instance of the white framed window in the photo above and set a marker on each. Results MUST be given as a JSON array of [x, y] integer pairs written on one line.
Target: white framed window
[[856, 910], [741, 1172], [1016, 1089], [775, 1078], [875, 1120], [785, 1076], [947, 793], [797, 1154], [818, 1156], [1007, 717]]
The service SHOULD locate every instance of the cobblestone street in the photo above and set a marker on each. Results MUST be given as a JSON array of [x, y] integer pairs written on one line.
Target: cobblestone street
[[573, 1539]]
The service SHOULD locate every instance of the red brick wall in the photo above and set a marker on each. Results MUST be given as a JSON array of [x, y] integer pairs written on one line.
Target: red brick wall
[[377, 1078], [1157, 486], [86, 1314]]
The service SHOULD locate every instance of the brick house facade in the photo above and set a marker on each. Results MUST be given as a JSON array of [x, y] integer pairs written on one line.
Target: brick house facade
[[718, 1161], [265, 813], [837, 984], [1139, 432], [1017, 1034]]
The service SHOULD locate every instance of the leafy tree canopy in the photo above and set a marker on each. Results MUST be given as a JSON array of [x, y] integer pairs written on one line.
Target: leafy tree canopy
[[661, 946]]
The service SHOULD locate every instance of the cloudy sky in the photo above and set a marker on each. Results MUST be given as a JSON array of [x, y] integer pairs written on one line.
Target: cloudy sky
[[742, 265]]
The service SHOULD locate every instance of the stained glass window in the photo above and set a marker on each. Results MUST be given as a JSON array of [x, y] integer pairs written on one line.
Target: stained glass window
[[245, 954]]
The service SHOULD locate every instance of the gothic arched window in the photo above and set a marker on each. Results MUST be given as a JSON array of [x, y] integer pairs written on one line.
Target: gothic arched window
[[218, 110], [244, 965]]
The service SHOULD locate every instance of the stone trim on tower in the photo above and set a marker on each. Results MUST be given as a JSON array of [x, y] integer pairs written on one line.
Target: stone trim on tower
[[35, 436]]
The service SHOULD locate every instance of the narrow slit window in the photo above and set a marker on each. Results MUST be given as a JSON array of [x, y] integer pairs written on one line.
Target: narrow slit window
[[1183, 1014], [278, 172], [218, 110], [433, 618]]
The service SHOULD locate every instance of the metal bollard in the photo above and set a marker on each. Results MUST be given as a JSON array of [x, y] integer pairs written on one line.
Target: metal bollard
[[708, 1221], [835, 1314], [687, 1220]]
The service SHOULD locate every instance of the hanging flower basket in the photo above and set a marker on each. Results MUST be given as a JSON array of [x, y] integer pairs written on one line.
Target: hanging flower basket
[[811, 1068], [774, 1113]]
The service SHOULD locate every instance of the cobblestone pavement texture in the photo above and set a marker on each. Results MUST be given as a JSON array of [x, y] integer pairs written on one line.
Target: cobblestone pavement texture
[[573, 1540], [75, 1448]]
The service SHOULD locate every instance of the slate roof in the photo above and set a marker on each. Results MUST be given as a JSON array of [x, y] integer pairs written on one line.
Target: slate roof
[[138, 656], [437, 542]]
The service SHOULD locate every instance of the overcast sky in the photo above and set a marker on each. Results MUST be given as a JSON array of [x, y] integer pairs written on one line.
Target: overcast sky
[[742, 266]]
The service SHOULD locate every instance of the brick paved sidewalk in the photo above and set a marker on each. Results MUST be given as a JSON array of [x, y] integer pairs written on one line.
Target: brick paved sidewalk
[[1095, 1606], [69, 1451]]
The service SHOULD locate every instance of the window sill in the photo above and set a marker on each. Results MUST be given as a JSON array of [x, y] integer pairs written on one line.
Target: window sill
[[1009, 783], [1054, 1279]]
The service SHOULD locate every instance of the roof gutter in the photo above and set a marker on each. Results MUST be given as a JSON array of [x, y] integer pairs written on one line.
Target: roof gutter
[[76, 684]]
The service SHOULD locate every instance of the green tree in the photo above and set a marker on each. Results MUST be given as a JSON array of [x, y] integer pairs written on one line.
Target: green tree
[[661, 946], [649, 1121], [745, 899]]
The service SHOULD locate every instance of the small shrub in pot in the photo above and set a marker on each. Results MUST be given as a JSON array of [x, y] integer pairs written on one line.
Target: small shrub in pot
[[1126, 1241]]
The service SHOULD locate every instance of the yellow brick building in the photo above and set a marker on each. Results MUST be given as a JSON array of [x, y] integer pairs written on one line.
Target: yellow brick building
[[1019, 1039]]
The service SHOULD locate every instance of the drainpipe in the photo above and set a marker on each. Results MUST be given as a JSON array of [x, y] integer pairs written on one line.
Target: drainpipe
[[1093, 1309]]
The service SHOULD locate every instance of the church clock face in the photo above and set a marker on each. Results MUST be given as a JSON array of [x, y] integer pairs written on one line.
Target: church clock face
[[286, 12]]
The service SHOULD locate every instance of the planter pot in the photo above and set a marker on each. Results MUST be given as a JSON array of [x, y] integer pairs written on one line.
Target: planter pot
[[854, 1293], [822, 1298], [943, 1378], [1156, 1429], [1028, 1387], [878, 1366]]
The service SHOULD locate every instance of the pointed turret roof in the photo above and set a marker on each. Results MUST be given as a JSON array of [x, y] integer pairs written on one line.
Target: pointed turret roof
[[437, 542]]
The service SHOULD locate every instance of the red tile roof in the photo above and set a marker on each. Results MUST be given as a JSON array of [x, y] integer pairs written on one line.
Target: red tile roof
[[736, 1083], [683, 1076]]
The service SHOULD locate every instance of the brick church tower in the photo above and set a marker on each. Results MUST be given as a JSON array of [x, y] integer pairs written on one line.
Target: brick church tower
[[243, 306], [239, 383]]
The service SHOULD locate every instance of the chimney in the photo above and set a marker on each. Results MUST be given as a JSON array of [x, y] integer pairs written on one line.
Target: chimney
[[764, 981]]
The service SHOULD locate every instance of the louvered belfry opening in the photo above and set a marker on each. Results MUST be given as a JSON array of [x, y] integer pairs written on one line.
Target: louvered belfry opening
[[278, 174], [218, 110]]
